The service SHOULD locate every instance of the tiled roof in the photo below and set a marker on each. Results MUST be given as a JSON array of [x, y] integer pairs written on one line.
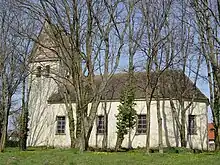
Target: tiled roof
[[172, 83], [211, 133]]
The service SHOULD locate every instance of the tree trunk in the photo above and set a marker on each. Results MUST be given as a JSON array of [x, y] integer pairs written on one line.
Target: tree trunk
[[69, 108], [4, 128], [78, 122], [148, 125], [160, 129], [3, 136], [89, 119], [71, 129], [82, 141], [148, 104], [209, 47], [182, 137], [3, 131], [84, 128], [105, 137], [148, 98], [157, 88], [183, 129], [24, 120], [129, 139], [5, 110], [80, 129], [217, 138], [216, 120], [120, 138], [1, 121]]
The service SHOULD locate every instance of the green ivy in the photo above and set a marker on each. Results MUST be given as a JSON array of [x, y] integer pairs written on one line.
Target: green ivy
[[126, 117]]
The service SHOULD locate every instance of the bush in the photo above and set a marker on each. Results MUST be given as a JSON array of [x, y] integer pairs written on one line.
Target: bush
[[11, 143]]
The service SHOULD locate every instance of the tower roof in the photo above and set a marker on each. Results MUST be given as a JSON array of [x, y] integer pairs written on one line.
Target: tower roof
[[44, 48]]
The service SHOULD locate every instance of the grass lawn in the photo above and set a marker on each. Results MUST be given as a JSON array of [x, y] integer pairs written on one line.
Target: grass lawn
[[73, 157]]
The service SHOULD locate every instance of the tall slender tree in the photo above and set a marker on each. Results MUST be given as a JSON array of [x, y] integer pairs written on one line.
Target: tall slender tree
[[80, 32], [207, 25], [12, 67], [155, 16]]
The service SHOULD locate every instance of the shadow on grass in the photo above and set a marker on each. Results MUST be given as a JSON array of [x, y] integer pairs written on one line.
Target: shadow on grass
[[169, 150], [152, 150]]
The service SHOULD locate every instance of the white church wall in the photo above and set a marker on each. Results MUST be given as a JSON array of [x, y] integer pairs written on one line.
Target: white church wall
[[170, 130], [41, 88]]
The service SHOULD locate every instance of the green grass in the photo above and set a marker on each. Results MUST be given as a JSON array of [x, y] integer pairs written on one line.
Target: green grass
[[73, 157]]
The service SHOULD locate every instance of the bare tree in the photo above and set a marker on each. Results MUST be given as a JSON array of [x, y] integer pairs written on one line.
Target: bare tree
[[183, 44], [155, 15], [207, 25], [11, 66], [25, 87], [87, 38]]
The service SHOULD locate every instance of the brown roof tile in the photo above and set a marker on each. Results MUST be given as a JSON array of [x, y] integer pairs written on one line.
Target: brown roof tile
[[172, 83], [211, 132]]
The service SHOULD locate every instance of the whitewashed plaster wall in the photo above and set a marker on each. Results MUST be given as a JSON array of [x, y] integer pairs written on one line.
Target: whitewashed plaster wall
[[170, 131]]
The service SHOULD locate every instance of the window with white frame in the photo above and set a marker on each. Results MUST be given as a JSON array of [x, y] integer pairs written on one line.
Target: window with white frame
[[192, 125], [61, 124], [141, 124], [100, 124]]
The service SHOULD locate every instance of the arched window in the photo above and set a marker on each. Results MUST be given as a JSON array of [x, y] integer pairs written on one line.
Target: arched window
[[47, 71], [38, 72]]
